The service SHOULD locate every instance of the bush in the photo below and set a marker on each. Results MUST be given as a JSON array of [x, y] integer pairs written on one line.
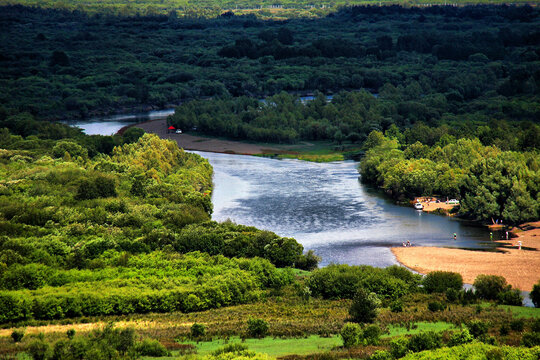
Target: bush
[[151, 347], [381, 355], [452, 295], [517, 325], [17, 335], [197, 330], [308, 261], [425, 341], [489, 286], [477, 328], [38, 349], [371, 335], [396, 306], [510, 297], [535, 327], [436, 306], [535, 294], [351, 334], [230, 348], [504, 330], [460, 337], [257, 328], [70, 334], [531, 339], [399, 347], [365, 307], [441, 281]]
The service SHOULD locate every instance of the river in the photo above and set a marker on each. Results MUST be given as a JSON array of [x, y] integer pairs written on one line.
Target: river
[[323, 206]]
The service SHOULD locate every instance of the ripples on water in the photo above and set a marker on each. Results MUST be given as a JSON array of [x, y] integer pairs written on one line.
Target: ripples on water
[[325, 208]]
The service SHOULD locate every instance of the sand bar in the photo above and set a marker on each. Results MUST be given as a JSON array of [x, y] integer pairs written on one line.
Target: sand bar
[[521, 268], [199, 143]]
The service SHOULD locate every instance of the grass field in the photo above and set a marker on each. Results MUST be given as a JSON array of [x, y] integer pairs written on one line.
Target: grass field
[[274, 346], [418, 327]]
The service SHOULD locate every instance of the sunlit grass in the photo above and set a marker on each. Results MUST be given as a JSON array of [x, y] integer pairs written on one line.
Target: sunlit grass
[[275, 346], [419, 327]]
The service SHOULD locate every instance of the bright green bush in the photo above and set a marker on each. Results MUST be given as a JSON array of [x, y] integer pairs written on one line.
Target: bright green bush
[[351, 334], [478, 351], [371, 334], [399, 347], [460, 337], [441, 281]]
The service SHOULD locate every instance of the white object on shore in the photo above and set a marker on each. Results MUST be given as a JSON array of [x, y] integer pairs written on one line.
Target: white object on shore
[[418, 206]]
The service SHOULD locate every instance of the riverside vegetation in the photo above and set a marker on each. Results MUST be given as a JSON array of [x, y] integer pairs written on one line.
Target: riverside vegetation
[[107, 249]]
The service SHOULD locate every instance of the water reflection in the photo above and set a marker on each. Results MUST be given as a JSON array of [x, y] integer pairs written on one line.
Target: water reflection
[[325, 208]]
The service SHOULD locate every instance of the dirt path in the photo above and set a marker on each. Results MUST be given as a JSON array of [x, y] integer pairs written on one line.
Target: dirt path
[[521, 268], [199, 143]]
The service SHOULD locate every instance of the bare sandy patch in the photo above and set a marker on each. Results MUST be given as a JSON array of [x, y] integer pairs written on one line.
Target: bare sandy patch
[[199, 143], [521, 268]]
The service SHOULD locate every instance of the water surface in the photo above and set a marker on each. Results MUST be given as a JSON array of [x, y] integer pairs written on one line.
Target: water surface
[[327, 209]]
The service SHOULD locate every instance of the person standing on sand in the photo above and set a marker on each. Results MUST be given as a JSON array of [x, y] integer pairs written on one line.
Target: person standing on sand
[[507, 235], [491, 236], [455, 236]]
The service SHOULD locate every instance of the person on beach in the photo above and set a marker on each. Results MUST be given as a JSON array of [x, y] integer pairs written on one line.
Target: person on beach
[[408, 243], [455, 236], [491, 236], [507, 235]]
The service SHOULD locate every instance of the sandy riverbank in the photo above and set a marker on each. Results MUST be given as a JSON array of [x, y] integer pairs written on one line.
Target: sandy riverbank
[[199, 143], [521, 268]]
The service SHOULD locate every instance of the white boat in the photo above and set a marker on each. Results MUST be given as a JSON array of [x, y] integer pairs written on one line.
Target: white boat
[[418, 206]]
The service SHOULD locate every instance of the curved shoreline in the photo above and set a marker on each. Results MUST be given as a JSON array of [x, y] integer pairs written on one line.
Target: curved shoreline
[[521, 268]]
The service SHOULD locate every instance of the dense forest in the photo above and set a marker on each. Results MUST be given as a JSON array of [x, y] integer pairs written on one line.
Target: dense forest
[[212, 8], [482, 60]]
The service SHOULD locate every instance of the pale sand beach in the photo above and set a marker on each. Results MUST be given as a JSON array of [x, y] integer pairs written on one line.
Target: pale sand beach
[[521, 268]]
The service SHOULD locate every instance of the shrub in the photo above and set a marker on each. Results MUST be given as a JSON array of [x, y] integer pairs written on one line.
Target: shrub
[[489, 286], [38, 349], [436, 306], [17, 335], [230, 348], [510, 297], [70, 333], [425, 341], [477, 328], [371, 335], [517, 325], [535, 327], [365, 306], [381, 355], [535, 294], [350, 334], [308, 261], [399, 347], [452, 295], [531, 339], [257, 328], [151, 347], [441, 281], [396, 306], [197, 330], [504, 330], [97, 186], [460, 337]]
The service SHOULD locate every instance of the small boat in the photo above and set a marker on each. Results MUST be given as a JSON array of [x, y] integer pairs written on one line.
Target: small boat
[[418, 206]]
